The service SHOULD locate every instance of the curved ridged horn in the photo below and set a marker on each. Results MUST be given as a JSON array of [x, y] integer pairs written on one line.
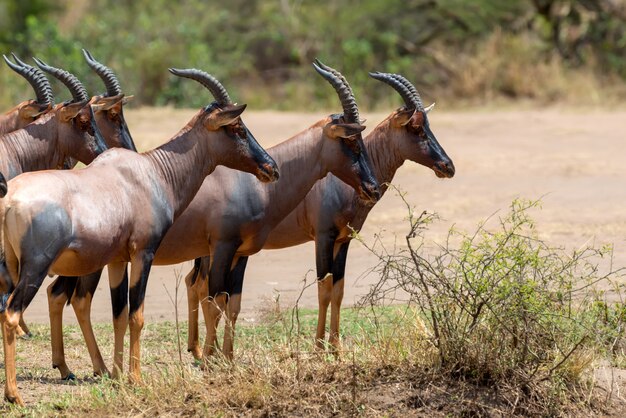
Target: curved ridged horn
[[35, 77], [335, 72], [338, 81], [208, 81], [398, 85], [79, 93], [105, 73], [412, 89]]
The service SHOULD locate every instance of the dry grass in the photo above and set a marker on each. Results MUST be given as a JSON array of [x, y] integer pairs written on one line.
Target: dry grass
[[388, 368]]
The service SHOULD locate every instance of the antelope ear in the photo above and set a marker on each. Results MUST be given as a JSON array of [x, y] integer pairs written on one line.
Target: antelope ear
[[226, 116], [70, 111], [32, 109], [127, 99], [343, 130], [429, 108], [403, 117], [106, 103]]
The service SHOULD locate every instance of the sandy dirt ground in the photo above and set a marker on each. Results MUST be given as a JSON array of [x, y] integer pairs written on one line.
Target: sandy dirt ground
[[574, 160]]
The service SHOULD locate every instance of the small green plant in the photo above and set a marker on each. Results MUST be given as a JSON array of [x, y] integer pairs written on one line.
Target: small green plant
[[503, 308]]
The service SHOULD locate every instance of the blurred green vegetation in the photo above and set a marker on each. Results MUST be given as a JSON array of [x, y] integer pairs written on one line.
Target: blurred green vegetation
[[468, 51]]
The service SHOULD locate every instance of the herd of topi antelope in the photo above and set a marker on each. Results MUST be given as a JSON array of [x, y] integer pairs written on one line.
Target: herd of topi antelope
[[175, 203]]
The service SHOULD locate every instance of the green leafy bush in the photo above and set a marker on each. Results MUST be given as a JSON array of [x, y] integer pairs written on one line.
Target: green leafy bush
[[505, 309]]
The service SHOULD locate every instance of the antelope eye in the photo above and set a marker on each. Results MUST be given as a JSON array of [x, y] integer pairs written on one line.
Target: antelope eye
[[419, 131]]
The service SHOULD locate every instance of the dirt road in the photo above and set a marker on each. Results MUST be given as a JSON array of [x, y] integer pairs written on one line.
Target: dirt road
[[576, 160]]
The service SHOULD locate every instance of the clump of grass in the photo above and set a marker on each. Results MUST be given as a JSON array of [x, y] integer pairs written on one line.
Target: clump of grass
[[504, 309]]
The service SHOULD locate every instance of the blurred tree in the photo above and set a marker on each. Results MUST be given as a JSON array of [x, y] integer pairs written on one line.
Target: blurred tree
[[262, 50]]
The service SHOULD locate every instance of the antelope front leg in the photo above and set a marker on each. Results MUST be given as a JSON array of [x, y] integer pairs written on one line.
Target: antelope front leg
[[57, 298], [118, 282], [139, 273], [193, 282], [235, 282], [10, 322], [32, 272], [214, 304], [81, 302], [324, 243], [339, 270], [212, 309]]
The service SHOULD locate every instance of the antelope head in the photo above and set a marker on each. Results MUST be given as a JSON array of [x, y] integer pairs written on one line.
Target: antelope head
[[78, 134], [232, 143], [344, 150], [410, 126], [28, 111]]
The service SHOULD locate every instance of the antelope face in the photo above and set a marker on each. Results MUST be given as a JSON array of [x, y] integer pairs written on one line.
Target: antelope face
[[29, 111], [348, 158], [78, 133], [418, 142], [110, 120], [236, 146]]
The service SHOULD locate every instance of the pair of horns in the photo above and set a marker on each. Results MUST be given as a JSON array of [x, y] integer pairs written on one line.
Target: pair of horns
[[343, 89], [407, 91], [79, 93], [35, 77], [76, 88]]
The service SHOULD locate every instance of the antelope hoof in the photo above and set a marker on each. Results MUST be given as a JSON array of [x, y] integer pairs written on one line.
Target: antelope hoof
[[20, 332], [196, 352], [320, 345], [101, 373], [117, 374], [14, 398], [334, 346], [69, 378], [135, 379]]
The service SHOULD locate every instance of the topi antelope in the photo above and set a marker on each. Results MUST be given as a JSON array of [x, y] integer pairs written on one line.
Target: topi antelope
[[108, 111], [331, 210], [110, 120], [232, 215], [49, 141], [114, 211], [26, 112]]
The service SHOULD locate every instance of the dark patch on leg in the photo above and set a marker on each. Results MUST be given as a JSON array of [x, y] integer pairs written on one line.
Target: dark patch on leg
[[137, 293], [196, 270], [219, 274], [339, 263], [119, 296], [236, 276], [87, 285], [64, 285], [324, 244]]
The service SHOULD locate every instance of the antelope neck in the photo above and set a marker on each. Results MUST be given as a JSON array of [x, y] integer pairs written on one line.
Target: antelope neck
[[300, 161], [32, 148], [384, 153], [182, 164]]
